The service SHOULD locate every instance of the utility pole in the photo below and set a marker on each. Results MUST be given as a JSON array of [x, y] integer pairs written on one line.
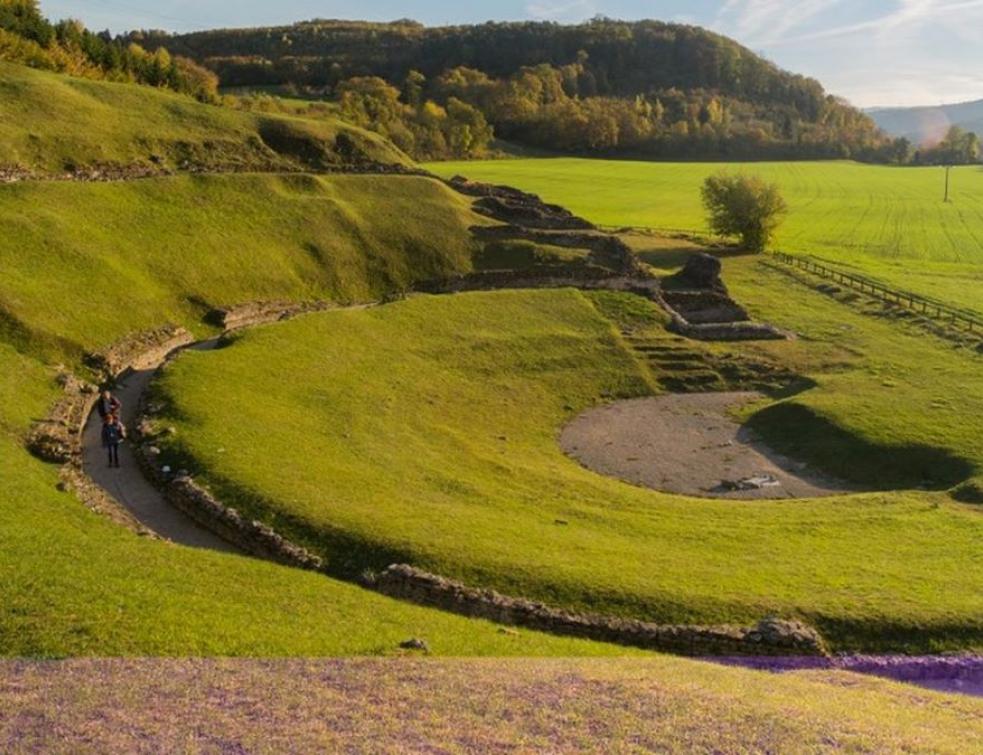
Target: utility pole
[[947, 169]]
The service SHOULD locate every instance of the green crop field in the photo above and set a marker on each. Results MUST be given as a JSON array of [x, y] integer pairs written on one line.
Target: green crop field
[[885, 221], [426, 432]]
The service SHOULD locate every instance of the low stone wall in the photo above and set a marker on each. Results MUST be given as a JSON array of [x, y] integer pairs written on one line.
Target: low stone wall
[[250, 536], [261, 313], [141, 351], [772, 637], [587, 278], [705, 307], [730, 331]]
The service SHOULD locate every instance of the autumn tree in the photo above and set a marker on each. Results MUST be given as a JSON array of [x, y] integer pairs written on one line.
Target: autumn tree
[[743, 206]]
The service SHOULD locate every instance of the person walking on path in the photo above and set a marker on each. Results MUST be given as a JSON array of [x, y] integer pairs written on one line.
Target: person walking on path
[[113, 434], [108, 405]]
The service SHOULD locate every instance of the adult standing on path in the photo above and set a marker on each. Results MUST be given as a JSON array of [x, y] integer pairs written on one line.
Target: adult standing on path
[[113, 434], [108, 405]]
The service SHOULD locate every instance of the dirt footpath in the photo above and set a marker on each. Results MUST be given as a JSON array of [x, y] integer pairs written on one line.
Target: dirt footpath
[[689, 445]]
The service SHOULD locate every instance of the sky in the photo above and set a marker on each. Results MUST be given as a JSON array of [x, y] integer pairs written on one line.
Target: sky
[[872, 52]]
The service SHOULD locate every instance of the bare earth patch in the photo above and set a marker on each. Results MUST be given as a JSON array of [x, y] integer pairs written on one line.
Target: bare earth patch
[[689, 444]]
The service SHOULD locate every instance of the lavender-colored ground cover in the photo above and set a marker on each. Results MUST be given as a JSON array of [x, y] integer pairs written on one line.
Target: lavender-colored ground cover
[[407, 705], [961, 674]]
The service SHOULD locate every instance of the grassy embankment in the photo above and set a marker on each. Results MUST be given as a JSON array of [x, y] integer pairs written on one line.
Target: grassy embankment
[[426, 431], [886, 222], [52, 123]]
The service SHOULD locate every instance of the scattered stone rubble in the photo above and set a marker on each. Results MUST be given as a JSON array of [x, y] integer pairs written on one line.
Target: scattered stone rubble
[[258, 313], [515, 207]]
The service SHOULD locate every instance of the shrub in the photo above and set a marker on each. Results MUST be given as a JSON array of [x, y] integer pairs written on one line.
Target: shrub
[[744, 206]]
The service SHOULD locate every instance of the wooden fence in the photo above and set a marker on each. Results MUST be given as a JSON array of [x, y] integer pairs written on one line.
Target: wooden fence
[[931, 308]]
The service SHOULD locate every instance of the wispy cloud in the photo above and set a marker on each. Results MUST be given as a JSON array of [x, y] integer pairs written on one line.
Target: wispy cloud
[[762, 22], [561, 11], [906, 16]]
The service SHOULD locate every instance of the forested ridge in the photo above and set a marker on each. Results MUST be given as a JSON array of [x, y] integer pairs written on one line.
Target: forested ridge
[[28, 38], [643, 88]]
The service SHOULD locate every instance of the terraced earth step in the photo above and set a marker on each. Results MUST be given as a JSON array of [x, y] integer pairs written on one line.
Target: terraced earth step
[[690, 367]]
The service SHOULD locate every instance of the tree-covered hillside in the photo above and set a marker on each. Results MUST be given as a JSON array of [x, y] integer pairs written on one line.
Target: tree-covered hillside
[[27, 37], [645, 88]]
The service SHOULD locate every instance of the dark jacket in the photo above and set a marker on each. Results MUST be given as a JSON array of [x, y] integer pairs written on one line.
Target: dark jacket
[[105, 407], [113, 434]]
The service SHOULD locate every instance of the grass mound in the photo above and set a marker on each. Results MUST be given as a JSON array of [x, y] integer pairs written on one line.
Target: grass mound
[[426, 432], [84, 264], [55, 123]]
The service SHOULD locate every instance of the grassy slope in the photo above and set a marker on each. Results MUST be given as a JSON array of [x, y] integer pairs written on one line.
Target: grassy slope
[[427, 433], [144, 252], [662, 705], [50, 122], [888, 222]]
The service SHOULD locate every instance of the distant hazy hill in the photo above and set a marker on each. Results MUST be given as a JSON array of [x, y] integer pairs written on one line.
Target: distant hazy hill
[[928, 125]]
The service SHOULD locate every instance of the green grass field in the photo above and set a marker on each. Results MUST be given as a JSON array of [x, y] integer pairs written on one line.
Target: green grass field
[[887, 222], [426, 432]]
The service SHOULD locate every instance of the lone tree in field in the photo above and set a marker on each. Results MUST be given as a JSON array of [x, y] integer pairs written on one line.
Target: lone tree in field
[[744, 206]]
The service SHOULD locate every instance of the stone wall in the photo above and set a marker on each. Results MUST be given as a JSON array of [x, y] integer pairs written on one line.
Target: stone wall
[[141, 351], [604, 250], [728, 331], [772, 637], [588, 278], [182, 492], [262, 312]]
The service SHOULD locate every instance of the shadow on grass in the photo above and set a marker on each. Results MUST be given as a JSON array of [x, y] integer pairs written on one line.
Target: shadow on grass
[[869, 635], [802, 434]]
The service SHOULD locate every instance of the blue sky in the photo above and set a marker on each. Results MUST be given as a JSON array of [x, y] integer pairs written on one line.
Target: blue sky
[[873, 52]]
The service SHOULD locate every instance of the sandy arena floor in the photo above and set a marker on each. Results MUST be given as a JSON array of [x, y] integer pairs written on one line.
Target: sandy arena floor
[[689, 445]]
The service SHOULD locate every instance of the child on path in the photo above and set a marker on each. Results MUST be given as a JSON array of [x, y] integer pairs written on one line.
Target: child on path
[[113, 434]]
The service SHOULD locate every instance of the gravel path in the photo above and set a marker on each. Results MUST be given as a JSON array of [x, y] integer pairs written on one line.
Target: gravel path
[[689, 445], [128, 485]]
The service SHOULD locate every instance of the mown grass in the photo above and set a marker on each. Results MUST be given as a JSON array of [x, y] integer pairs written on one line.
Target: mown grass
[[458, 706], [425, 431], [50, 122], [885, 221]]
